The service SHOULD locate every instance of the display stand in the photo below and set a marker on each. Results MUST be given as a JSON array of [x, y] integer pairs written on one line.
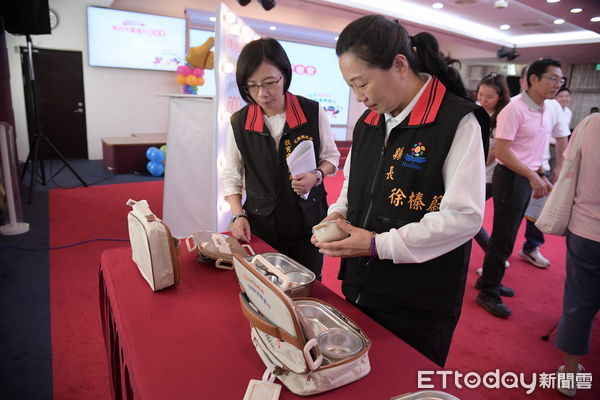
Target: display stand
[[190, 197]]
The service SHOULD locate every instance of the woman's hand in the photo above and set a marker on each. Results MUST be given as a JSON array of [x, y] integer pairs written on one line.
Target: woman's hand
[[302, 183], [358, 244], [240, 229]]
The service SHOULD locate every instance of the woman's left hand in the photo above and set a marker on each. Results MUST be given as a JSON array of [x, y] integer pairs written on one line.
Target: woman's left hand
[[357, 245], [302, 183]]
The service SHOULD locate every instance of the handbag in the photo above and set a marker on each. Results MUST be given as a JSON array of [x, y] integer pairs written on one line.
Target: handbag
[[309, 345], [217, 247], [154, 250], [556, 214]]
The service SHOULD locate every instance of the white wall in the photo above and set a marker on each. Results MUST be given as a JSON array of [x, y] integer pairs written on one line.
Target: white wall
[[119, 101]]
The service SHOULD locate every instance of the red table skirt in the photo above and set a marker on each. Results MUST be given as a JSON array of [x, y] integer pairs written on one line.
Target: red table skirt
[[192, 341]]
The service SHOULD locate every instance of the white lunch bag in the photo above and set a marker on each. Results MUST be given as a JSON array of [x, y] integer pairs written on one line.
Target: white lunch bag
[[310, 346], [153, 248]]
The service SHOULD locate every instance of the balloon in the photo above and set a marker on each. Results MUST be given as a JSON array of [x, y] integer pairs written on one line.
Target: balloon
[[191, 80], [151, 151], [180, 79], [163, 148], [181, 70], [199, 81], [198, 72], [185, 70], [155, 168]]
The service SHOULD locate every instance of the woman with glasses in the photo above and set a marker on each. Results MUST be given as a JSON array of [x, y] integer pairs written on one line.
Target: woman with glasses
[[492, 95], [281, 209], [414, 184]]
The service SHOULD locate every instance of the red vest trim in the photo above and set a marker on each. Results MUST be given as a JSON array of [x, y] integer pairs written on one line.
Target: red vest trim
[[428, 104], [293, 114]]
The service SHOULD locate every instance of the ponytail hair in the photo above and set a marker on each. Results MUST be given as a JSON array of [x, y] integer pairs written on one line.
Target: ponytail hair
[[377, 40]]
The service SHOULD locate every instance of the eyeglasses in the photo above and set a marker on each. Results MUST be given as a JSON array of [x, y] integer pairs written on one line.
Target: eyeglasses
[[560, 81], [267, 86]]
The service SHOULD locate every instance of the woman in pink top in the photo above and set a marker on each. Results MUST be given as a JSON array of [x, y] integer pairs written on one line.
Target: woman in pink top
[[582, 285]]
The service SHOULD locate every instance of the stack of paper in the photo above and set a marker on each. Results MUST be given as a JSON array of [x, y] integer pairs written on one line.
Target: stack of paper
[[302, 160]]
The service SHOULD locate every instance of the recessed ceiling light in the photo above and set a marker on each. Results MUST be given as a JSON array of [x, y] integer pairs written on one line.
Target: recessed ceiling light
[[552, 1], [336, 38], [559, 21], [437, 5], [505, 27], [212, 19], [576, 10], [273, 28], [595, 19]]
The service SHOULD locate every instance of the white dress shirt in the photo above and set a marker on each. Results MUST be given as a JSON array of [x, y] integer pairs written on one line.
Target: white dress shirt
[[233, 172], [461, 210]]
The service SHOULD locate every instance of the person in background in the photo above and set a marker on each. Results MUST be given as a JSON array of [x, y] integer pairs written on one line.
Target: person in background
[[261, 135], [564, 99], [414, 184], [521, 139], [581, 300], [558, 134], [492, 95], [593, 110]]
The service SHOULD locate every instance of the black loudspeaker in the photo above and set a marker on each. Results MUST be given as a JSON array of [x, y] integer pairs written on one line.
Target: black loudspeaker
[[26, 17]]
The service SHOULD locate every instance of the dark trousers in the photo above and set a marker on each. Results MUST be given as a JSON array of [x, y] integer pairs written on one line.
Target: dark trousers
[[533, 237], [511, 193], [428, 333]]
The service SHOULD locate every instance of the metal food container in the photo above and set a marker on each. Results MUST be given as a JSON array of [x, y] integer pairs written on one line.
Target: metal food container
[[338, 337], [426, 395], [300, 277]]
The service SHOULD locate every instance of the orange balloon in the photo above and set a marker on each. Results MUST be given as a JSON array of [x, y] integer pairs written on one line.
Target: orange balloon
[[180, 79], [191, 80], [200, 81]]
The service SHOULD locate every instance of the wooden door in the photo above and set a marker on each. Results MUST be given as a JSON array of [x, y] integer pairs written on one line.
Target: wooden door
[[58, 77]]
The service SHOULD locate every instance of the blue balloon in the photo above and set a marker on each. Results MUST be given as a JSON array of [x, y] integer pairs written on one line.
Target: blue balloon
[[155, 168], [151, 152]]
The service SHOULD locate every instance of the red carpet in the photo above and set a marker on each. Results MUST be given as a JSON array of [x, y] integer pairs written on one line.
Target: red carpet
[[481, 343]]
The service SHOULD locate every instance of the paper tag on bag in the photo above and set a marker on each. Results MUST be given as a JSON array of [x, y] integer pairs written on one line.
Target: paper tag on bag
[[261, 390]]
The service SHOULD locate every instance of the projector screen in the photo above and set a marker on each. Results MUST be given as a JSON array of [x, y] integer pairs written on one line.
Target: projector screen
[[125, 39]]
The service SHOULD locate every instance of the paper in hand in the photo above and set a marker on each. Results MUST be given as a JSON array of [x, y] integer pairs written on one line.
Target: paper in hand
[[302, 160]]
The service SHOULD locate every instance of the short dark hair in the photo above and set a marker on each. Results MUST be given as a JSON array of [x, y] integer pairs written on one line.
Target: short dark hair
[[377, 40], [253, 54], [539, 67], [563, 89]]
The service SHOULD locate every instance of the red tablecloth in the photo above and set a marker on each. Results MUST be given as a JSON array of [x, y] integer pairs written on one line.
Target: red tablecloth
[[192, 341]]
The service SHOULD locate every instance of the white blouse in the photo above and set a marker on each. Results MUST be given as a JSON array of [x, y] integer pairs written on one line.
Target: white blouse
[[461, 211], [233, 172]]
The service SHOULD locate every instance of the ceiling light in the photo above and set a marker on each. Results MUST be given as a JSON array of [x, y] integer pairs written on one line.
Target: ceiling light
[[576, 10], [273, 28], [595, 19], [552, 1], [336, 38], [501, 3], [505, 27], [212, 19], [559, 21], [437, 5]]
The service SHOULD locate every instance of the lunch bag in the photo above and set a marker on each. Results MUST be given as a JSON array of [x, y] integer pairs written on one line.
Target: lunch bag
[[287, 335], [153, 248], [217, 247]]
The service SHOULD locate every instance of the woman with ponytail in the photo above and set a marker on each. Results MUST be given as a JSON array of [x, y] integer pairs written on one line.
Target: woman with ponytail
[[414, 187]]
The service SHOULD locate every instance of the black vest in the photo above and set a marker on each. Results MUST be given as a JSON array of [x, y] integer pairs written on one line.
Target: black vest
[[395, 184], [267, 177]]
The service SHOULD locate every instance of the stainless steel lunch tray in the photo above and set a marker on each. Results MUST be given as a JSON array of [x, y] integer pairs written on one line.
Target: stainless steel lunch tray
[[320, 318], [300, 277], [426, 395]]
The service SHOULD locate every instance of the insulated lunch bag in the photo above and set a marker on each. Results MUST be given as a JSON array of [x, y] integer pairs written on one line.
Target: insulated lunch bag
[[153, 248], [310, 346]]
